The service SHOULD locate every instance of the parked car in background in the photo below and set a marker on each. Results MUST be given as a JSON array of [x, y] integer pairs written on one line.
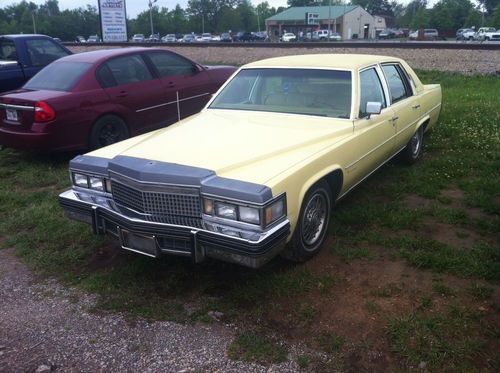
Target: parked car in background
[[206, 37], [259, 36], [486, 34], [92, 99], [169, 38], [288, 36], [188, 38], [465, 34], [153, 38], [244, 36], [426, 34], [215, 38], [138, 38], [387, 34], [226, 37], [80, 39], [22, 56], [263, 164], [335, 36], [93, 39]]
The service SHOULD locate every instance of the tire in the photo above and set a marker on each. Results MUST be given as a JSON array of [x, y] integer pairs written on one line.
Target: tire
[[312, 224], [107, 130], [413, 149]]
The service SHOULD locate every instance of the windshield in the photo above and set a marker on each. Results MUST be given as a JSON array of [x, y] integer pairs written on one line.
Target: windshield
[[297, 91], [58, 76]]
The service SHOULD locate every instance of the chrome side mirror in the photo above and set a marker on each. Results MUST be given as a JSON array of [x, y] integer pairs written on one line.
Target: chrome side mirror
[[373, 107]]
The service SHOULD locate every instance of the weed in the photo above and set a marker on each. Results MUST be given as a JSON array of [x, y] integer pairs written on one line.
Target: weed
[[480, 292], [442, 289], [303, 361], [372, 307], [257, 348], [330, 342]]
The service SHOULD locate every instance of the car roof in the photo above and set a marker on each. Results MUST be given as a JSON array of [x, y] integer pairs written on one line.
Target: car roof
[[24, 36], [103, 54], [340, 61]]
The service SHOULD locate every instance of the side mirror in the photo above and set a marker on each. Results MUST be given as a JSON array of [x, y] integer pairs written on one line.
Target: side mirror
[[373, 107]]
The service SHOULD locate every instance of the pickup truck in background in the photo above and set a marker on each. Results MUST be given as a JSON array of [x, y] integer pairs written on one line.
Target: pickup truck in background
[[487, 33], [22, 56]]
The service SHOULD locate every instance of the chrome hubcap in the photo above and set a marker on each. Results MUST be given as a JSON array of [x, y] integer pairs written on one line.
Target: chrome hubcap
[[314, 219], [415, 143]]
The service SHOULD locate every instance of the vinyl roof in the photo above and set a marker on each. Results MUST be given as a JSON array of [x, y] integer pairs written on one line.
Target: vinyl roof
[[328, 61]]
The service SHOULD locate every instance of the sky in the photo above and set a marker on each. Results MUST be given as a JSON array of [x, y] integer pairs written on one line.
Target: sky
[[134, 7]]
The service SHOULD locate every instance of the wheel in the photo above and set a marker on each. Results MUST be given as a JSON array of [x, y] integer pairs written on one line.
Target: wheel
[[107, 130], [312, 224], [412, 150]]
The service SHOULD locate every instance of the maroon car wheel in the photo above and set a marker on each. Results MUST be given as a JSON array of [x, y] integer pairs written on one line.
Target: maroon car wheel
[[107, 130]]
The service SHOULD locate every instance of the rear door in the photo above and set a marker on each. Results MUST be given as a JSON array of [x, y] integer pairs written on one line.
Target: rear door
[[184, 79], [404, 102], [134, 91]]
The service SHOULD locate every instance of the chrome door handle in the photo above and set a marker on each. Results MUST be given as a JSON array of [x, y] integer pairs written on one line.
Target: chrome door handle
[[416, 106], [393, 119]]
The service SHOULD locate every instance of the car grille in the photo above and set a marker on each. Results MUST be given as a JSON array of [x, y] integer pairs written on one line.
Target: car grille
[[159, 205]]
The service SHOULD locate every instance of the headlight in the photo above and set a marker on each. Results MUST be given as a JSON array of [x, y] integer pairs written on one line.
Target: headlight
[[249, 215], [96, 183], [225, 210], [80, 180], [275, 211]]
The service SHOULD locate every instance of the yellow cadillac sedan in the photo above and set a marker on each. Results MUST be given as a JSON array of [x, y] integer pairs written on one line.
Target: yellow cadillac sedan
[[257, 172]]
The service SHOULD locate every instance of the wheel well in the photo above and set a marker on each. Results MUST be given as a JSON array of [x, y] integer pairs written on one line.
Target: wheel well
[[425, 124], [335, 179], [101, 116]]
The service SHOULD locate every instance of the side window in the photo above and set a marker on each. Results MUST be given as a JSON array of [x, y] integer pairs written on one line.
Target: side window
[[370, 90], [44, 51], [7, 50], [169, 64], [129, 69], [399, 87], [104, 76]]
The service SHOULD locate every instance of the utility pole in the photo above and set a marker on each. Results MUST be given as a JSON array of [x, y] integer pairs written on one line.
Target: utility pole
[[151, 2], [33, 19], [329, 20]]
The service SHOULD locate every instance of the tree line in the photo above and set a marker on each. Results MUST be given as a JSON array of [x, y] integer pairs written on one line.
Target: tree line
[[218, 16]]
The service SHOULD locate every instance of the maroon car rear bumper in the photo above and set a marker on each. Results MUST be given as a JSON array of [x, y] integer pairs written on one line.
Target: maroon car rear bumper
[[24, 140]]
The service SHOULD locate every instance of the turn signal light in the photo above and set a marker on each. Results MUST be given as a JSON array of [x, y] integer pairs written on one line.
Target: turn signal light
[[43, 112]]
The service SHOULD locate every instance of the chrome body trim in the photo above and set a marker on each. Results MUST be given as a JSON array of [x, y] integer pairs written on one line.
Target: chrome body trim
[[251, 248], [172, 102], [17, 107]]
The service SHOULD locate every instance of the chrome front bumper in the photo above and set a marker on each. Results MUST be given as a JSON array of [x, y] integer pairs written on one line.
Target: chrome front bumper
[[207, 239]]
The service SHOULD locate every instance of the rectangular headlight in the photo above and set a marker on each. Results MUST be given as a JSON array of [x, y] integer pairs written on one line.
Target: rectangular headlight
[[225, 210], [80, 180], [96, 183], [249, 215]]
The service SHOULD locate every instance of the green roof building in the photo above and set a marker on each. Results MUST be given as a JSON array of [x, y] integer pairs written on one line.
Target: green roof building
[[350, 21]]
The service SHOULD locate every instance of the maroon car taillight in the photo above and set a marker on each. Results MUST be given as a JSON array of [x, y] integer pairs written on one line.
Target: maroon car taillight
[[43, 112]]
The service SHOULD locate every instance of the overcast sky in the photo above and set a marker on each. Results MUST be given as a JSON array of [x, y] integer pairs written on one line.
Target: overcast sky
[[134, 7]]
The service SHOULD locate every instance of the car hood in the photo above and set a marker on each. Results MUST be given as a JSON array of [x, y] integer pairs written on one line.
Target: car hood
[[248, 146]]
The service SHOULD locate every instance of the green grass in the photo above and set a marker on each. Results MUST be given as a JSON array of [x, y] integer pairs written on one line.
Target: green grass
[[448, 339], [376, 220], [256, 348]]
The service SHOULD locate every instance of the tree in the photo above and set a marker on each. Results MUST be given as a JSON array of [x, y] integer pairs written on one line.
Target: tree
[[375, 7], [450, 14], [489, 5]]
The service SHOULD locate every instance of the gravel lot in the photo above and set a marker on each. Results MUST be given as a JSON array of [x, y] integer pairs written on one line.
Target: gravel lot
[[47, 327], [458, 60]]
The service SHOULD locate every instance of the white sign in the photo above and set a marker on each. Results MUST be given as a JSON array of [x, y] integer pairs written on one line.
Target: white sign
[[312, 18], [113, 20]]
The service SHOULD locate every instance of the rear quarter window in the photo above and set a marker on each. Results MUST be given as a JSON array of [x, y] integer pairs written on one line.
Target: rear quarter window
[[43, 51]]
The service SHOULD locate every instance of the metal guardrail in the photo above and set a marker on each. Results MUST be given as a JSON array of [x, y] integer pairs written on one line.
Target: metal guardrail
[[310, 45]]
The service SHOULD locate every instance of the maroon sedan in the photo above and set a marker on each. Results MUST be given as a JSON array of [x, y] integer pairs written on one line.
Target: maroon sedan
[[93, 99]]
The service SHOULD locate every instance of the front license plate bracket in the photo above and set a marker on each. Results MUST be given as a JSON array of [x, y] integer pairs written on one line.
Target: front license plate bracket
[[138, 243]]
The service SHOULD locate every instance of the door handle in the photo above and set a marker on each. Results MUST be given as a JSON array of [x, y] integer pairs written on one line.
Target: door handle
[[416, 106], [170, 84], [393, 119], [122, 94]]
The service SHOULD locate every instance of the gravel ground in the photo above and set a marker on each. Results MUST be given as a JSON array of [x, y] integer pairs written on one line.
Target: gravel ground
[[457, 60], [47, 327]]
